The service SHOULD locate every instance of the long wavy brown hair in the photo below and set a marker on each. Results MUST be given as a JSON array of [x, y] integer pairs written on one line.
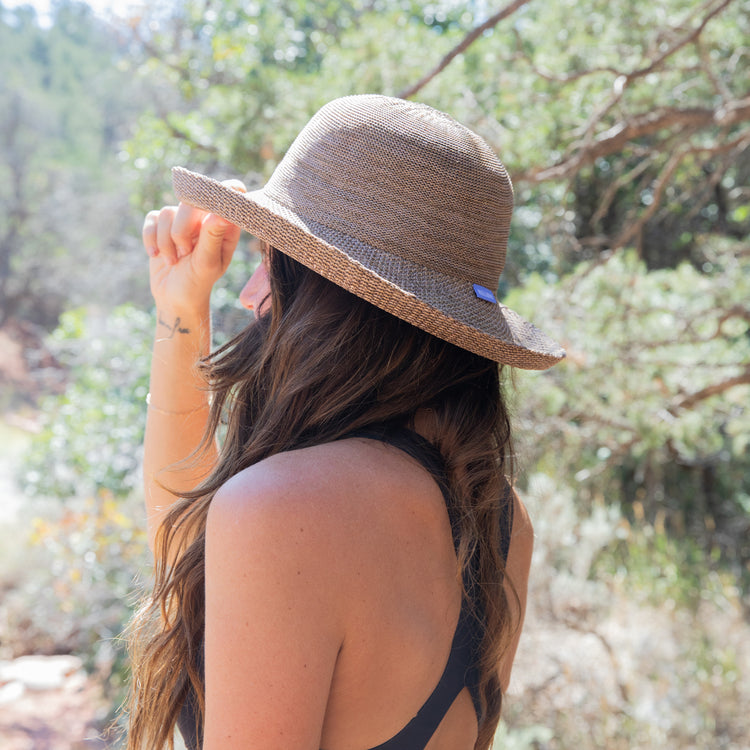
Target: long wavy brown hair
[[318, 365]]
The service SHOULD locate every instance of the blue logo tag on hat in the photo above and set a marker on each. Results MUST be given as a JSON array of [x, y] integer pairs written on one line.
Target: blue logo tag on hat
[[483, 293]]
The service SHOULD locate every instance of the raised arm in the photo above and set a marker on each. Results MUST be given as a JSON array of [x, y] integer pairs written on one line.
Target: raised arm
[[189, 251]]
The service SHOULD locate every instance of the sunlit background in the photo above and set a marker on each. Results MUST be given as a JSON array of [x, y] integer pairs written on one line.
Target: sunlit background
[[625, 126], [45, 9]]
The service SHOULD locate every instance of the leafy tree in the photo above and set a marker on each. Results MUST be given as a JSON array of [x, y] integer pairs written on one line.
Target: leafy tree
[[651, 405], [66, 227], [625, 128], [91, 434], [637, 112], [247, 76], [82, 478]]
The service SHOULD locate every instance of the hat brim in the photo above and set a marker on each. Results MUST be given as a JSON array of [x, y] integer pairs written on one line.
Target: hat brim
[[442, 305]]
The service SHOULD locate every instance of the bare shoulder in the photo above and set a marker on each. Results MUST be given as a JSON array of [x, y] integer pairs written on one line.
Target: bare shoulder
[[277, 532], [312, 496], [276, 544], [308, 482]]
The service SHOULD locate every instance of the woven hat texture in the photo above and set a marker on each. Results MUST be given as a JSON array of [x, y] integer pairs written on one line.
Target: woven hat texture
[[404, 207]]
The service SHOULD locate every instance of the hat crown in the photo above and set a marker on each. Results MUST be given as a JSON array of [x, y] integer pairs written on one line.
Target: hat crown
[[405, 179]]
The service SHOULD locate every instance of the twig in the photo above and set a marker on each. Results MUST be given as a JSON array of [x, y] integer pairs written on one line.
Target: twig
[[547, 75], [613, 140], [705, 67], [740, 143], [666, 175], [467, 41], [692, 36], [183, 135], [688, 402], [620, 182]]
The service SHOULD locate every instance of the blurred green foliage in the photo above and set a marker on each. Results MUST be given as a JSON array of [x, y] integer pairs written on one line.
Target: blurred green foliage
[[66, 102], [650, 565], [619, 122], [91, 435], [87, 454], [247, 76], [625, 127], [652, 404]]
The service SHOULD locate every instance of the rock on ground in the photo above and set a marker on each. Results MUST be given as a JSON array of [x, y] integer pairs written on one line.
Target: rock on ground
[[49, 703]]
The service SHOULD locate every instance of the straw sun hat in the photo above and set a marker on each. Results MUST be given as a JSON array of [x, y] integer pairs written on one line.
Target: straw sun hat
[[402, 206]]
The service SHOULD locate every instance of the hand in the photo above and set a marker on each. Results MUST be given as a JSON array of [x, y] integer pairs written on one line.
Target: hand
[[190, 250]]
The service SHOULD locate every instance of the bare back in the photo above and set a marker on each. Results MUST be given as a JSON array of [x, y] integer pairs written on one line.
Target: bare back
[[353, 543]]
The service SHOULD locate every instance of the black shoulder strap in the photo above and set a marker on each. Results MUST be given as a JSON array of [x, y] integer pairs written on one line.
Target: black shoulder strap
[[507, 508], [460, 671]]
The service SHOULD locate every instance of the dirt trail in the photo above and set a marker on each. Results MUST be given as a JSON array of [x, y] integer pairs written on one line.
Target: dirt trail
[[49, 703]]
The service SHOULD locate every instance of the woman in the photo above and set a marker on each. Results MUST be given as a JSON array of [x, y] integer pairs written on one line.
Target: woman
[[348, 569]]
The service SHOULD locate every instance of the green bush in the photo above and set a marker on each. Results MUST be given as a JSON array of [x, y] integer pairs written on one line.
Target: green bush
[[92, 433], [652, 404]]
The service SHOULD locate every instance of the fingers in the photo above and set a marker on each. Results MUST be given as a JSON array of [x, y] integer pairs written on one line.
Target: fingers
[[172, 232], [216, 243], [149, 233], [164, 242], [157, 229], [186, 228], [175, 232], [217, 237]]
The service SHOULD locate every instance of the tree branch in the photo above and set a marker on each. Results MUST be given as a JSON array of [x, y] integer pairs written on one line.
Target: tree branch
[[688, 402], [627, 77], [634, 229], [624, 179], [680, 43], [183, 135], [618, 136], [589, 147], [551, 77], [466, 42]]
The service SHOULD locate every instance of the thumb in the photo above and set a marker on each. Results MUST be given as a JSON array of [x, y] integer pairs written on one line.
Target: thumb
[[218, 237], [216, 242]]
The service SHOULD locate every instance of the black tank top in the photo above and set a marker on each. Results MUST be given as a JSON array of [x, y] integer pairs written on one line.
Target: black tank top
[[462, 668]]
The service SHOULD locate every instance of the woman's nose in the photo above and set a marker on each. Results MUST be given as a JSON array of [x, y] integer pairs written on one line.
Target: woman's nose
[[255, 293]]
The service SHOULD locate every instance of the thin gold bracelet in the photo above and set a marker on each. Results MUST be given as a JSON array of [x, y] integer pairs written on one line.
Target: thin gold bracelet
[[168, 413]]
